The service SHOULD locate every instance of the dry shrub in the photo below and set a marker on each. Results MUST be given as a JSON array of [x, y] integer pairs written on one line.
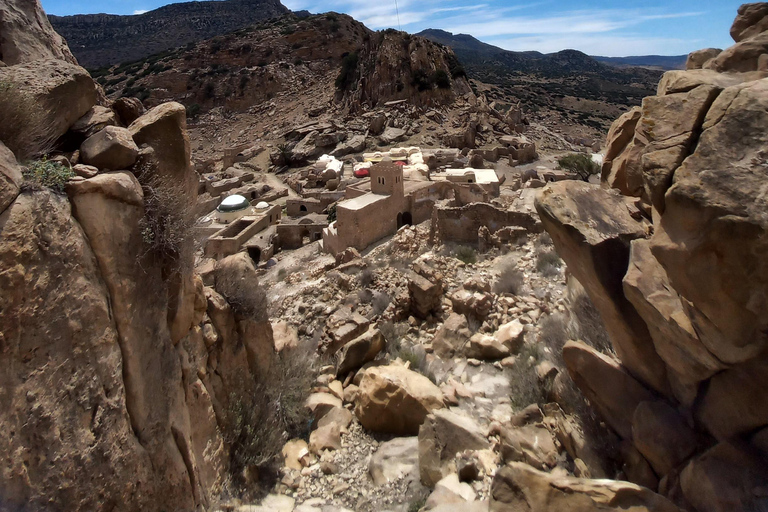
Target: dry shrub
[[365, 296], [554, 334], [380, 302], [366, 277], [465, 254], [247, 297], [23, 123], [525, 388], [266, 412], [510, 279], [591, 328], [166, 227], [548, 262]]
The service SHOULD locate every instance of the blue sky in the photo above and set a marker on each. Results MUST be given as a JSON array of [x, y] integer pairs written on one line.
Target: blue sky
[[596, 27]]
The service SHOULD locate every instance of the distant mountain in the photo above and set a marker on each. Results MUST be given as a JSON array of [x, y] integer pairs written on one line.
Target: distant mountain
[[99, 40], [665, 62]]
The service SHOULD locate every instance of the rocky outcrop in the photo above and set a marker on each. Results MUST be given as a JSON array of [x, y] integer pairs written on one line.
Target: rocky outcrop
[[678, 276], [111, 148], [10, 178], [27, 35], [395, 400]]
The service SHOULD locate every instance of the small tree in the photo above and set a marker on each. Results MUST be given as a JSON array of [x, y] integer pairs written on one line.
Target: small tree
[[581, 164]]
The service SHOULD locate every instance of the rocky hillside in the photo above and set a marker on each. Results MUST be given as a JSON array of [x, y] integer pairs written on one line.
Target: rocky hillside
[[670, 249], [327, 56], [666, 62], [99, 40]]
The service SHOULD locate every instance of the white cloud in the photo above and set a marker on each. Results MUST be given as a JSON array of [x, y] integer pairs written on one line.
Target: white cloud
[[140, 11]]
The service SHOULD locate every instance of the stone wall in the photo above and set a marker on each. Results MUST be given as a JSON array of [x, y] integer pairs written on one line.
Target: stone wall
[[461, 224]]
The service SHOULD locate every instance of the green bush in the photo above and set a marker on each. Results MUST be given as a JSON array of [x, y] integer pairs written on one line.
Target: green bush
[[44, 173], [193, 110], [347, 74], [421, 80], [580, 163], [466, 254], [441, 79]]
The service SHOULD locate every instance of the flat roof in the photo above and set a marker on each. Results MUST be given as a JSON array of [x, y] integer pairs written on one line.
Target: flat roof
[[360, 202], [481, 175]]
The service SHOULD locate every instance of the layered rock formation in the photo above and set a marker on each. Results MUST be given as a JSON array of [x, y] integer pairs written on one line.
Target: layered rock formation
[[673, 257], [28, 36], [112, 396]]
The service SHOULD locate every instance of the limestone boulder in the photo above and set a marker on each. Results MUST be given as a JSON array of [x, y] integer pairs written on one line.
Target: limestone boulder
[[452, 336], [58, 94], [697, 59], [592, 230], [394, 459], [28, 35], [662, 436], [518, 486], [359, 351], [10, 177], [751, 20], [444, 434], [609, 387], [110, 148], [714, 223], [647, 287], [395, 400]]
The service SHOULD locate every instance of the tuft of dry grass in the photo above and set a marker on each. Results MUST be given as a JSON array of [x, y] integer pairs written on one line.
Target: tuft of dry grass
[[247, 298], [23, 124], [510, 279]]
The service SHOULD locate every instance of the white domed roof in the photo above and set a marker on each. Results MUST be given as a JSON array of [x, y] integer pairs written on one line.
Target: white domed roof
[[233, 203], [261, 205]]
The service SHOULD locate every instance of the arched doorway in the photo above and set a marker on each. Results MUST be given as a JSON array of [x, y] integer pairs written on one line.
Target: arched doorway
[[407, 219], [399, 220], [302, 208]]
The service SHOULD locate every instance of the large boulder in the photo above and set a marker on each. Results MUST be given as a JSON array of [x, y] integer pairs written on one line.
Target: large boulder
[[609, 388], [359, 351], [592, 230], [27, 34], [95, 120], [444, 434], [752, 19], [395, 400], [452, 337], [394, 459], [111, 148], [45, 98], [518, 486], [662, 436], [531, 444], [745, 56], [697, 59], [620, 136], [10, 177]]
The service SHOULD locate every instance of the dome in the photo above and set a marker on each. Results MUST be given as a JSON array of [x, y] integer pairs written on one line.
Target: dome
[[261, 205], [233, 203]]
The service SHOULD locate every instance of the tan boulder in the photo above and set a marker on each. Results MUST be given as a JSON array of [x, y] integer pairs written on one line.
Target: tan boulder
[[359, 351], [610, 389], [444, 434], [662, 436], [485, 347], [338, 416], [647, 287], [426, 296], [744, 56], [95, 120], [752, 19], [726, 478], [128, 109], [293, 452], [10, 177], [592, 229], [677, 81], [60, 92], [697, 59], [518, 486], [530, 444], [320, 404], [327, 437], [452, 336], [621, 133], [286, 337], [713, 222], [511, 335], [28, 35], [395, 400], [394, 459], [85, 171], [111, 148]]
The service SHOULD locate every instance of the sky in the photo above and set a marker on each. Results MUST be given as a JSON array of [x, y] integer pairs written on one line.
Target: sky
[[596, 27]]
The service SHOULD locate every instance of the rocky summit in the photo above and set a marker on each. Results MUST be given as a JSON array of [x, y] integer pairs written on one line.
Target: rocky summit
[[306, 266]]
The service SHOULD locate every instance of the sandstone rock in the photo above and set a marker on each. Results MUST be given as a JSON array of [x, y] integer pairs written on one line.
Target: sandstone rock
[[571, 437], [95, 120], [592, 229], [476, 305], [392, 135], [377, 124], [129, 109], [359, 351], [752, 19], [443, 435], [637, 468], [354, 144], [684, 81], [327, 437], [394, 459], [661, 435], [742, 57], [10, 178], [530, 444], [511, 335], [293, 452], [338, 416], [85, 171], [621, 133], [286, 337], [712, 223], [452, 336], [28, 35], [395, 400], [647, 287], [609, 388], [111, 148], [320, 404], [697, 59], [485, 347], [452, 484], [63, 91], [726, 478], [517, 486]]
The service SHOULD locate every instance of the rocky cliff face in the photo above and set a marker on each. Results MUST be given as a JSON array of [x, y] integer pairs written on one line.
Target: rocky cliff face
[[676, 266], [112, 396], [104, 39], [27, 35]]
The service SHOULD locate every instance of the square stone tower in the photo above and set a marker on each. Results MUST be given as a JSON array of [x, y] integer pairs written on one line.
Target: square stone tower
[[387, 178]]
